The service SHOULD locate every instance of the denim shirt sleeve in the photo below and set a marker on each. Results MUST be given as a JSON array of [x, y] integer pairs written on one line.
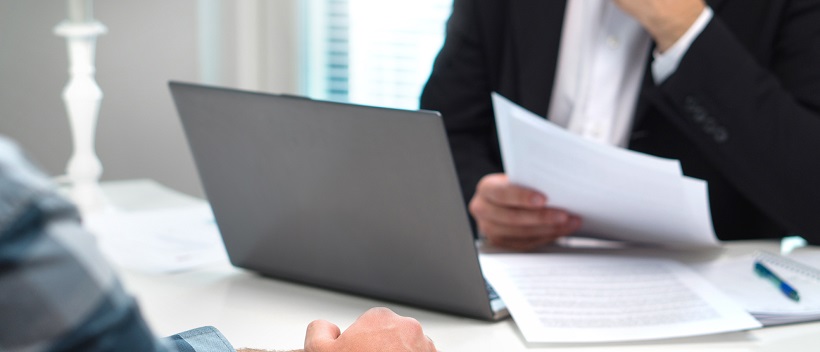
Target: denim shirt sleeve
[[57, 293], [204, 339]]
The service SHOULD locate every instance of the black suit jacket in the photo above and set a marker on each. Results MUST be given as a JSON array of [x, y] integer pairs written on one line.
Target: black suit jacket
[[742, 110]]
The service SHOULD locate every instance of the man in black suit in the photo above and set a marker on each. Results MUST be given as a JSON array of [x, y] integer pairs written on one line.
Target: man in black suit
[[740, 107]]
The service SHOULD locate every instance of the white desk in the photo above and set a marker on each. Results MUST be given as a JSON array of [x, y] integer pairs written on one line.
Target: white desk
[[260, 312]]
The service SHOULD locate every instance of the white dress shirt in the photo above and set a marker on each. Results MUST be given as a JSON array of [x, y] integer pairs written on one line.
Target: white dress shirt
[[601, 63]]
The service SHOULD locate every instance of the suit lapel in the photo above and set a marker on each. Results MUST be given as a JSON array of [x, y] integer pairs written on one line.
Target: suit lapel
[[535, 36], [715, 4]]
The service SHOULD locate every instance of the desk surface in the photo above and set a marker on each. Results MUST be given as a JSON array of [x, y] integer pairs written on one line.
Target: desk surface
[[253, 311]]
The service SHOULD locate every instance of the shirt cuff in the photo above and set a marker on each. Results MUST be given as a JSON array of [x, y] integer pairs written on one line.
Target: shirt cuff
[[664, 65], [204, 339]]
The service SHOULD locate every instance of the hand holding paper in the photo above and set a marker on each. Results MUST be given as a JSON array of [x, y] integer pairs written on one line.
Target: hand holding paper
[[619, 194], [516, 217]]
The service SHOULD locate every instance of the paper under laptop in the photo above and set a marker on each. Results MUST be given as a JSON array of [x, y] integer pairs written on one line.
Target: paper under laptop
[[620, 194], [156, 241]]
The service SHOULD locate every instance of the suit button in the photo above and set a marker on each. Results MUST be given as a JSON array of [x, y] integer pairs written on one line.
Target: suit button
[[694, 109], [720, 135], [700, 116]]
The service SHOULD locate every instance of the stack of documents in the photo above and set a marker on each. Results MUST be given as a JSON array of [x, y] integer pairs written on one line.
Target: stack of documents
[[619, 194], [759, 296]]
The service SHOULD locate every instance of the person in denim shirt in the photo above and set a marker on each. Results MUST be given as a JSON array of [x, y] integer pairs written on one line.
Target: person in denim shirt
[[58, 294]]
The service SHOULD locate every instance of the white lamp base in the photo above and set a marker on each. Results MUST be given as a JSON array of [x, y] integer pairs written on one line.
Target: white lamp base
[[82, 97]]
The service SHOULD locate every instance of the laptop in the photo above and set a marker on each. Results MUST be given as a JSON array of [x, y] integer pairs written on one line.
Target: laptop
[[357, 199]]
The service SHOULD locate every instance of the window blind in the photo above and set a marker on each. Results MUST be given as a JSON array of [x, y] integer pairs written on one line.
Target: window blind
[[373, 52]]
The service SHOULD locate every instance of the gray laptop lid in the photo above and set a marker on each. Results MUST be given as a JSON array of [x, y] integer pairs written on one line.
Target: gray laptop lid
[[352, 198]]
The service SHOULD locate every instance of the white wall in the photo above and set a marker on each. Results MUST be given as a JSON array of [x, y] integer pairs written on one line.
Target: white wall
[[149, 42]]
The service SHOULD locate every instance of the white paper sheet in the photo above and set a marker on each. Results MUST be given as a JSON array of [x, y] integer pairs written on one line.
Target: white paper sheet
[[595, 298], [620, 194], [159, 241]]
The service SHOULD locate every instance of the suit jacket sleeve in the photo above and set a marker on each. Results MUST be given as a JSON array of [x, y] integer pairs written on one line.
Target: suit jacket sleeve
[[756, 116], [459, 87]]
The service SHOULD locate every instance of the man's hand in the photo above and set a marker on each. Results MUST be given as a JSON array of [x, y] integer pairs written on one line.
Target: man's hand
[[665, 20], [377, 330], [516, 217]]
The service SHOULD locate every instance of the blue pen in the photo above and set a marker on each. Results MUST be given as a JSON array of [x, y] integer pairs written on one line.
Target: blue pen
[[765, 273]]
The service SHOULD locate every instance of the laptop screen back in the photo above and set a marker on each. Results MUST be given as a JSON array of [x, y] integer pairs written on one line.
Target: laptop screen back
[[352, 198]]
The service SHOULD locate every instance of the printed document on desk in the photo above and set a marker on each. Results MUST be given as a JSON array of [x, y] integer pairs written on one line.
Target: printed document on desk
[[619, 194], [605, 298]]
